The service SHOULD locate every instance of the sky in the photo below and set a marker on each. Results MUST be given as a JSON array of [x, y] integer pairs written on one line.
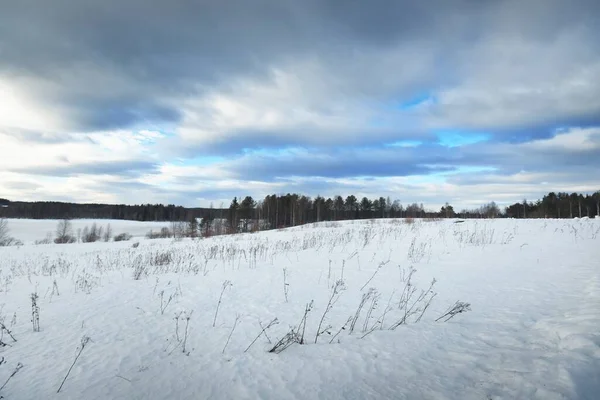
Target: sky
[[195, 102]]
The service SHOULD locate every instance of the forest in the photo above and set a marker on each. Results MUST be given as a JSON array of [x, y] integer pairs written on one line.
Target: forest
[[276, 211]]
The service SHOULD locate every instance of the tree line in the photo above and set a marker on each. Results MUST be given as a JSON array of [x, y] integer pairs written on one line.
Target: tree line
[[292, 209], [63, 210], [279, 211], [557, 205]]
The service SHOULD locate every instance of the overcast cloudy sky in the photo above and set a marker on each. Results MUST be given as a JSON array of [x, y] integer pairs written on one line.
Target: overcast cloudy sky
[[192, 102]]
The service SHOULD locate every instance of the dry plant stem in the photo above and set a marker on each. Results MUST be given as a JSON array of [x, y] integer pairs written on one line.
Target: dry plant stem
[[226, 284], [289, 339], [273, 322], [185, 335], [35, 312], [426, 307], [177, 315], [343, 328], [17, 369], [363, 301], [265, 331], [374, 301], [388, 308], [237, 318], [335, 295], [421, 299], [373, 328], [84, 342], [307, 309], [122, 377], [163, 304], [285, 285], [373, 276], [458, 308], [329, 273], [409, 311], [5, 329]]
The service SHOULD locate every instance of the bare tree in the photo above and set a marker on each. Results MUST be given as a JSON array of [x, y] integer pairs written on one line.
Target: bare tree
[[64, 232], [90, 235], [5, 239], [107, 234], [3, 230]]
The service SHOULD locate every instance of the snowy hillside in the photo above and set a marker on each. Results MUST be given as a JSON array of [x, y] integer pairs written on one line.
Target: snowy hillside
[[197, 319]]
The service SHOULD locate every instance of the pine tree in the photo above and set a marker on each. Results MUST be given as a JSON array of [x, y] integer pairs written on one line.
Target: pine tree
[[233, 217], [246, 211], [366, 206], [192, 228]]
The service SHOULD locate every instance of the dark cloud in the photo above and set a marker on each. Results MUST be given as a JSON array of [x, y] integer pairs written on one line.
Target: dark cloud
[[505, 158], [158, 50], [240, 140], [147, 52], [115, 114], [346, 162], [545, 130]]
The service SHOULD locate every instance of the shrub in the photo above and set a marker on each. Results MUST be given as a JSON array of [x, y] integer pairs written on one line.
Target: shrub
[[122, 237], [92, 234], [161, 258], [65, 239], [47, 240], [10, 241], [164, 233], [139, 269]]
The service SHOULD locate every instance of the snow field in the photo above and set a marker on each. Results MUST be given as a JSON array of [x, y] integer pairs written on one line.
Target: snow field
[[533, 332]]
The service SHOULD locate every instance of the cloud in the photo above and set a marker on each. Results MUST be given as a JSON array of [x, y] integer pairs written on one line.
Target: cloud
[[83, 153], [21, 111], [516, 84], [289, 96], [127, 168], [341, 163], [576, 140], [117, 68]]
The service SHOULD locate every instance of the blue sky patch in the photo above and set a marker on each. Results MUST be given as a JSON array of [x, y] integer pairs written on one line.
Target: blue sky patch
[[457, 138]]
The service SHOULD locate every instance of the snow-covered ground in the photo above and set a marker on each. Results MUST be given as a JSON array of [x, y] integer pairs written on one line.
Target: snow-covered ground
[[533, 331]]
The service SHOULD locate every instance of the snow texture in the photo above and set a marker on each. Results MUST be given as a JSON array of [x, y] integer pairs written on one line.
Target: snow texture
[[533, 331]]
